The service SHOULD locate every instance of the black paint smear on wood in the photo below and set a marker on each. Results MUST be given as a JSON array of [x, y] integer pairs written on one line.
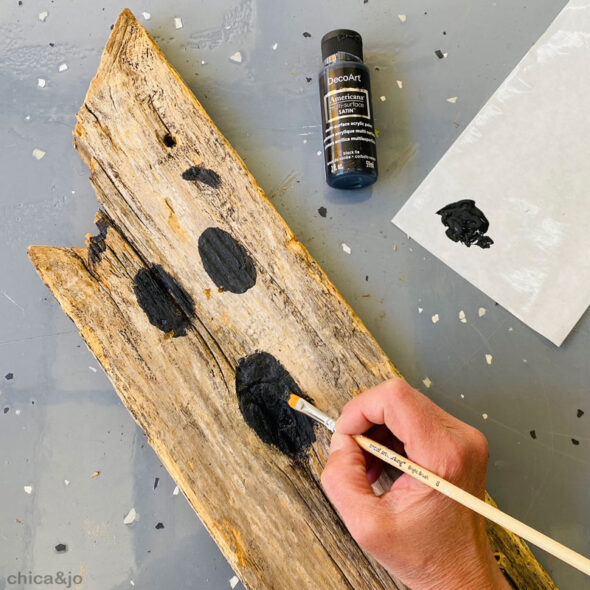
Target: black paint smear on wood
[[164, 300], [96, 244], [263, 387], [466, 223], [169, 140], [204, 175], [226, 261]]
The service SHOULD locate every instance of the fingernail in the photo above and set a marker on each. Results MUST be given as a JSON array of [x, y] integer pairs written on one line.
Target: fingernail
[[338, 442]]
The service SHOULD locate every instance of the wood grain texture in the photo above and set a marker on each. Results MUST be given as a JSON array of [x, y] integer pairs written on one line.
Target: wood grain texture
[[139, 129]]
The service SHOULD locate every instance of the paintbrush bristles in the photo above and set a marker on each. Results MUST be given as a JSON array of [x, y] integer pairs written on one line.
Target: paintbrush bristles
[[293, 400]]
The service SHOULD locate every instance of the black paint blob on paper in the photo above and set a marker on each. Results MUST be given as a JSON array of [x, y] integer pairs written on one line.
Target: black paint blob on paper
[[164, 300], [204, 175], [226, 261], [97, 244], [466, 223], [263, 387]]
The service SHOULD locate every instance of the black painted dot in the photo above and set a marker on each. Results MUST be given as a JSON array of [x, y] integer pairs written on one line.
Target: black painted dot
[[226, 261], [97, 244], [156, 482], [438, 52], [160, 525], [580, 413], [164, 300], [465, 223], [204, 175], [61, 548], [308, 79], [306, 34], [323, 211], [575, 442], [533, 434], [169, 140], [263, 387], [6, 410], [9, 376]]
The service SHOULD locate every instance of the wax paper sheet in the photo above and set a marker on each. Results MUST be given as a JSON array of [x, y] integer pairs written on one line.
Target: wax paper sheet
[[525, 161]]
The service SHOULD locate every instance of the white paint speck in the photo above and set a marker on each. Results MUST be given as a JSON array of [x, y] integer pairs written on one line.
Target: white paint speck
[[28, 489], [445, 55], [400, 84], [462, 317], [234, 582], [420, 309], [66, 482], [176, 491], [402, 18], [62, 67], [38, 154], [383, 98], [236, 57], [132, 582], [131, 515], [146, 15], [452, 100], [28, 118], [346, 248], [93, 369], [481, 312], [318, 153], [462, 396], [427, 382], [510, 329], [435, 318], [17, 412], [305, 141], [177, 22], [274, 47], [484, 416], [41, 82], [524, 361], [43, 16], [203, 62], [489, 359]]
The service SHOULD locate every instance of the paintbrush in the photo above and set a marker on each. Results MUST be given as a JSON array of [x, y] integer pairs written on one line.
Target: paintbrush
[[448, 489]]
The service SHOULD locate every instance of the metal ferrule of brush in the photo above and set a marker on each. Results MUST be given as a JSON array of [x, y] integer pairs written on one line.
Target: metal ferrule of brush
[[311, 411]]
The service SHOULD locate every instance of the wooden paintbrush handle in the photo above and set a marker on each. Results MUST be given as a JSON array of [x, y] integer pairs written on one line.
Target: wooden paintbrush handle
[[490, 512]]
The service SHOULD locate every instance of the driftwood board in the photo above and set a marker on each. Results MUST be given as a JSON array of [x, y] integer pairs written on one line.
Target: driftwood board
[[169, 324]]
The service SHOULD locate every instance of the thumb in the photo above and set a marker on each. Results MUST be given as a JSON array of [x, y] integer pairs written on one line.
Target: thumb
[[345, 482]]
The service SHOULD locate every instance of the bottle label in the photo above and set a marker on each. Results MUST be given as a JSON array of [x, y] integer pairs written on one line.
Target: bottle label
[[349, 133], [347, 102]]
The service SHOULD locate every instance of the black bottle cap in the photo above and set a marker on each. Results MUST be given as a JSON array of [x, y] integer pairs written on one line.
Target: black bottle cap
[[342, 40]]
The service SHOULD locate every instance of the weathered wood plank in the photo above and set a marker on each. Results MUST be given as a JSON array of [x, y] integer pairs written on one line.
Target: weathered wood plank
[[146, 300]]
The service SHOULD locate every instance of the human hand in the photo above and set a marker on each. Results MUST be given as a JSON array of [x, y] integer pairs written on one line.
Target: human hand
[[419, 535]]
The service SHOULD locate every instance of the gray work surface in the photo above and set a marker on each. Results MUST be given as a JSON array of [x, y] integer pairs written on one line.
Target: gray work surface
[[60, 419]]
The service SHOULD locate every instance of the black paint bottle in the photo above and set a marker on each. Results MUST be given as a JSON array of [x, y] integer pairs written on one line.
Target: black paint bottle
[[350, 153]]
